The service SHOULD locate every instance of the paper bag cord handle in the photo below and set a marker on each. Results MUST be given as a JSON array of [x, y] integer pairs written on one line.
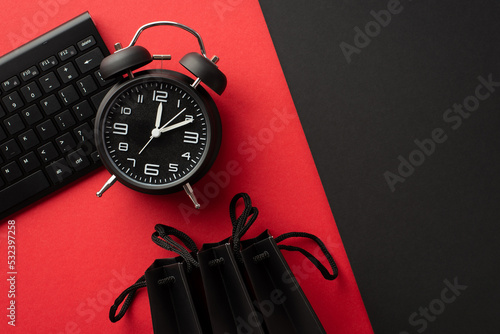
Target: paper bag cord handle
[[164, 230], [326, 274], [129, 294], [242, 223], [162, 238]]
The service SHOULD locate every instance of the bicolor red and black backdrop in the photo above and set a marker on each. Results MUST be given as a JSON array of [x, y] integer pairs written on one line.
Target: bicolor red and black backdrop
[[366, 111]]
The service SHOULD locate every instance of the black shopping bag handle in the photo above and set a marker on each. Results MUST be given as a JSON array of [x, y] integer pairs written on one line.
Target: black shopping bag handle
[[326, 274], [166, 241], [242, 223], [161, 237], [129, 293]]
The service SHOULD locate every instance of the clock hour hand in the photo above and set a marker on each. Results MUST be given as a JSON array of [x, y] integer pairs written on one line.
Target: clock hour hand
[[177, 125], [155, 133], [158, 115]]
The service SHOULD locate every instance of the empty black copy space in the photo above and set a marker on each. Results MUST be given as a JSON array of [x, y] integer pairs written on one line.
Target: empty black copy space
[[400, 103]]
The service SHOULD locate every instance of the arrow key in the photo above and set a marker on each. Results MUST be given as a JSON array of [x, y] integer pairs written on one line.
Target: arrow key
[[90, 60]]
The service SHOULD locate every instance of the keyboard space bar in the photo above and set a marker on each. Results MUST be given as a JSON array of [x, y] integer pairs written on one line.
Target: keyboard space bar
[[22, 190]]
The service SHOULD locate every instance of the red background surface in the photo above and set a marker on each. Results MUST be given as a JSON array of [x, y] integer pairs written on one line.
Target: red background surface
[[75, 253]]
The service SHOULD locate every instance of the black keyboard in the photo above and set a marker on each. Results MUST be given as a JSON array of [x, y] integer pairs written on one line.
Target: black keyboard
[[50, 90]]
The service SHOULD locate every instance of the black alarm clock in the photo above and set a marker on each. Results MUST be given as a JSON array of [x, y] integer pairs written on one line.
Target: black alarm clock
[[158, 131]]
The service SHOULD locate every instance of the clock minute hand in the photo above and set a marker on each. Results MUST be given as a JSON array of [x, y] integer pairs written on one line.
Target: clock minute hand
[[175, 126], [165, 125]]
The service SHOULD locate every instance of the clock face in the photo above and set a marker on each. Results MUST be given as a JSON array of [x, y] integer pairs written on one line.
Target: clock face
[[156, 133]]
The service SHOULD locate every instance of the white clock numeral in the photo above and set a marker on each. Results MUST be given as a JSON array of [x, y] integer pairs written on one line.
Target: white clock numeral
[[173, 168], [126, 111], [189, 117], [140, 98], [191, 137], [186, 155], [160, 96], [178, 103], [123, 147], [133, 161], [151, 169], [120, 129]]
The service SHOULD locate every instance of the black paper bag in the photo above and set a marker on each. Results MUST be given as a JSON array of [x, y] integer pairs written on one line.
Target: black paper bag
[[175, 289], [172, 303], [280, 299], [229, 304]]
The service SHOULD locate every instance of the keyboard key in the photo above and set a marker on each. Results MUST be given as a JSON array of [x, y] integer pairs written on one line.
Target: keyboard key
[[67, 53], [84, 133], [14, 124], [95, 157], [67, 72], [22, 190], [29, 73], [97, 98], [32, 114], [90, 60], [47, 152], [83, 110], [13, 101], [48, 63], [64, 120], [29, 162], [86, 43], [101, 80], [2, 112], [10, 84], [28, 139], [49, 82], [68, 95], [31, 92], [11, 171], [66, 143], [86, 85], [46, 129], [10, 149], [2, 134], [50, 105], [78, 160], [58, 171]]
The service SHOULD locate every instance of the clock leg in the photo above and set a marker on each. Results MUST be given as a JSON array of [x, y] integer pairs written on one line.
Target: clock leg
[[189, 191], [106, 185]]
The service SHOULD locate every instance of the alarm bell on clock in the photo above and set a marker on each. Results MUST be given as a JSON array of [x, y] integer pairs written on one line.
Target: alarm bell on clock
[[159, 131]]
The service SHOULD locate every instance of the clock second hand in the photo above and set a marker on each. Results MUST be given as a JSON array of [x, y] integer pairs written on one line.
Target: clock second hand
[[149, 141], [155, 133]]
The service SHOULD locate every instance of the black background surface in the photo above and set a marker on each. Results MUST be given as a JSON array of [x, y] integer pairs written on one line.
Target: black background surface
[[359, 117]]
